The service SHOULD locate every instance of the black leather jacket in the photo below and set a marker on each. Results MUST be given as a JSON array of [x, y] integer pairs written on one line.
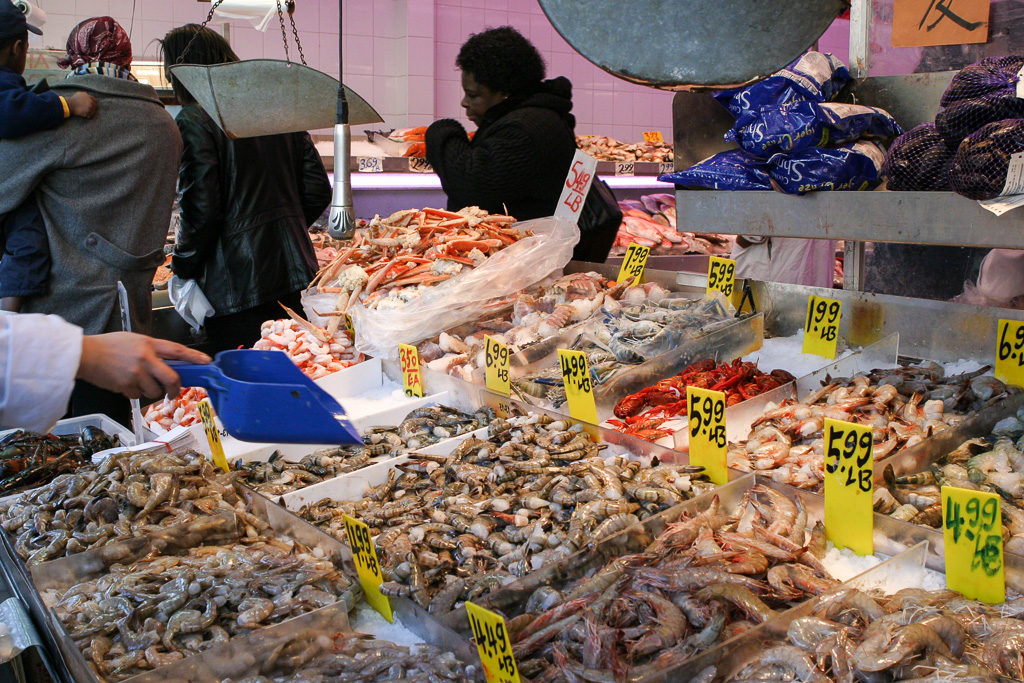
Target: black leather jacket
[[246, 206]]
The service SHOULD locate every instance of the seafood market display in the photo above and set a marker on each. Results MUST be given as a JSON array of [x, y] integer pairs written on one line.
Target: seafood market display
[[605, 148], [29, 459], [651, 222]]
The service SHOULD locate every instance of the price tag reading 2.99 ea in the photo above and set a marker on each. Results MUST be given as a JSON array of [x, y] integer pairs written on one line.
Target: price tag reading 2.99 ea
[[496, 365], [1010, 352], [821, 329], [849, 485], [972, 533], [721, 275], [212, 435], [412, 378], [367, 565], [706, 413], [579, 389], [493, 644], [633, 263]]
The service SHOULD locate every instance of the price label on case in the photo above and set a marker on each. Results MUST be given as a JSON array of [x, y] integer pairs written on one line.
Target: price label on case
[[721, 276], [849, 485], [579, 388], [653, 136], [666, 167], [370, 164], [821, 328], [633, 263], [212, 435], [367, 565], [624, 167], [496, 361], [972, 534], [576, 186], [412, 378], [1010, 352], [419, 165], [493, 644], [708, 443]]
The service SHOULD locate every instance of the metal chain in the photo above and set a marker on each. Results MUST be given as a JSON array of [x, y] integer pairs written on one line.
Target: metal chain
[[295, 31], [280, 18], [207, 20], [284, 36]]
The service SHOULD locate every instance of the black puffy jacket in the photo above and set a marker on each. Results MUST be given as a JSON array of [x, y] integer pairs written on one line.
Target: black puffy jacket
[[518, 158], [246, 206]]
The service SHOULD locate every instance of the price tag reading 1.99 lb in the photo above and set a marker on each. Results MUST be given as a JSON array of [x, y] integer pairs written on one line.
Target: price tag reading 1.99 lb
[[412, 378], [579, 389], [706, 413], [633, 263], [496, 365], [972, 533], [367, 565], [493, 644], [821, 329], [1010, 352], [849, 485], [212, 435], [721, 275]]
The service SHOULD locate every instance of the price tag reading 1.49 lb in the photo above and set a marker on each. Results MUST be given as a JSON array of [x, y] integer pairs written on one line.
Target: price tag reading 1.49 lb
[[579, 389], [972, 533], [493, 644], [412, 378], [212, 435], [849, 485], [367, 565], [721, 275], [496, 365], [706, 413], [821, 329], [633, 263], [1010, 352]]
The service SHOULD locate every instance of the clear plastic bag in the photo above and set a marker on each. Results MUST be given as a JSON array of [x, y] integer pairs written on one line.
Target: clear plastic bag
[[189, 301], [458, 300]]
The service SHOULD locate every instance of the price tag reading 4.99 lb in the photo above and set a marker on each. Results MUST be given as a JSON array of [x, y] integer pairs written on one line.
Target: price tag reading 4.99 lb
[[821, 329], [972, 533], [496, 365], [706, 412], [579, 390], [1010, 352], [411, 377], [849, 485], [367, 565], [493, 644], [212, 435], [633, 263], [721, 276]]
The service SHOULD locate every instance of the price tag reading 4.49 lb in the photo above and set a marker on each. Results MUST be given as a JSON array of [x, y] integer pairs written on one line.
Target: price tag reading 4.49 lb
[[633, 263], [849, 485], [579, 389], [972, 533], [1010, 352], [706, 412], [493, 644], [212, 435], [721, 276], [496, 365], [412, 378], [821, 329], [367, 565]]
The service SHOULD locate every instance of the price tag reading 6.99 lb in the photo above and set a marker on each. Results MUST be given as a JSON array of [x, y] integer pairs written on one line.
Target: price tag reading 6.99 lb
[[493, 644], [212, 435], [633, 263], [412, 378], [972, 533], [496, 365], [367, 565], [821, 329], [721, 275], [849, 485], [579, 390], [706, 413], [1010, 352]]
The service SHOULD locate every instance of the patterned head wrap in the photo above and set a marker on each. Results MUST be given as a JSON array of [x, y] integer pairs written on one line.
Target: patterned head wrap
[[100, 39]]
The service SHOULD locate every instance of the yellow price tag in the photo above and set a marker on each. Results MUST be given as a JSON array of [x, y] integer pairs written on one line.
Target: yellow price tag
[[633, 263], [367, 566], [706, 413], [579, 389], [212, 435], [653, 136], [1010, 352], [849, 485], [821, 329], [412, 378], [972, 533], [721, 276], [349, 327], [496, 359], [493, 644]]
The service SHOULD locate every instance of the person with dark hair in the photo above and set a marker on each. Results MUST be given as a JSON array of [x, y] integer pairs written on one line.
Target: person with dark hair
[[246, 207], [525, 140]]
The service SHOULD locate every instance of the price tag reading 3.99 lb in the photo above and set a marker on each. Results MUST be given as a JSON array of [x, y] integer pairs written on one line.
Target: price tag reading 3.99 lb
[[849, 485], [367, 565], [721, 276], [579, 389], [972, 533], [493, 644], [821, 329], [1010, 352], [212, 435], [496, 365], [412, 378], [633, 263], [706, 413]]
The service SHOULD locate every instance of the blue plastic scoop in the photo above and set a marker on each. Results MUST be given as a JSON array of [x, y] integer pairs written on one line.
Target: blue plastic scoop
[[263, 396]]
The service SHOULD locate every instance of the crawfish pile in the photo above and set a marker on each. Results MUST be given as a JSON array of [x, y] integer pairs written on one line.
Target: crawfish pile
[[645, 413], [28, 459]]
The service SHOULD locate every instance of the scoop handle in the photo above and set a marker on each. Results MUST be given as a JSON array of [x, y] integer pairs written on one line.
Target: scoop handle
[[193, 375]]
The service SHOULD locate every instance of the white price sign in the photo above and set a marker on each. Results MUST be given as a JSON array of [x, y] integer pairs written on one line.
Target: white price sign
[[624, 167], [577, 184], [370, 164], [666, 167], [419, 165]]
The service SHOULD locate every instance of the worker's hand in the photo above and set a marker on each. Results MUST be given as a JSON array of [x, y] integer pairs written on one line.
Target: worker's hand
[[131, 364], [82, 104]]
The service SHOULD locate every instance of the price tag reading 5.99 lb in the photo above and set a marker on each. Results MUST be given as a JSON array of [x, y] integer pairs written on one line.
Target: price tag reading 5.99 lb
[[367, 565], [706, 413], [579, 389], [212, 435], [849, 485], [633, 263], [493, 644], [1010, 352], [972, 533], [496, 365], [821, 329], [412, 378], [721, 275]]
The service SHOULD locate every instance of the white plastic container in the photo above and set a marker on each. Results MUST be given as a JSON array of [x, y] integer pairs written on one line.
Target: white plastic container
[[74, 425]]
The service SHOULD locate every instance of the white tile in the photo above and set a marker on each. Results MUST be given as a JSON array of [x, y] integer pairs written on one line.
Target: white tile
[[384, 62], [603, 107], [329, 53], [56, 31], [520, 21], [307, 19], [384, 18], [419, 18], [495, 17], [473, 20], [447, 24], [642, 112], [329, 17], [153, 10], [273, 47], [120, 10], [622, 110], [420, 56], [421, 96], [152, 31], [86, 9], [362, 85], [359, 20], [540, 33], [359, 55], [248, 43]]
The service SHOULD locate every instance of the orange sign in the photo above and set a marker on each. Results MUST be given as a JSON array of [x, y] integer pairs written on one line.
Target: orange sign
[[917, 23]]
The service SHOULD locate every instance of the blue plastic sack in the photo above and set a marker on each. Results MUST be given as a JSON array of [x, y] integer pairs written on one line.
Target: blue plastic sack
[[731, 170], [856, 166], [816, 76]]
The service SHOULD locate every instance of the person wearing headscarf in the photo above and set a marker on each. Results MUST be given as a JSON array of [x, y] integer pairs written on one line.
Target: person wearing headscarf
[[105, 188]]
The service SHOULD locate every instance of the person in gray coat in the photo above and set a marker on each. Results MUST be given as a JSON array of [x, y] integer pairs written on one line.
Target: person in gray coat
[[105, 188]]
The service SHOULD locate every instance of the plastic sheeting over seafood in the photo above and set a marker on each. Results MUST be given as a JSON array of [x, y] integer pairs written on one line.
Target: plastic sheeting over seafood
[[28, 459]]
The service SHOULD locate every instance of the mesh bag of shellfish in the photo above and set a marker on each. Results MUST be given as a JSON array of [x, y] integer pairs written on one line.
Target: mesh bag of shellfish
[[918, 160], [983, 92], [990, 162]]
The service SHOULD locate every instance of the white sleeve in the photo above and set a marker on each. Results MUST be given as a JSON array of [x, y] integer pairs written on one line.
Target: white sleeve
[[39, 357]]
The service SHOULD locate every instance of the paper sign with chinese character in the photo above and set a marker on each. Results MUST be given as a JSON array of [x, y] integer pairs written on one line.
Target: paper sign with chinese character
[[918, 23], [577, 184]]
